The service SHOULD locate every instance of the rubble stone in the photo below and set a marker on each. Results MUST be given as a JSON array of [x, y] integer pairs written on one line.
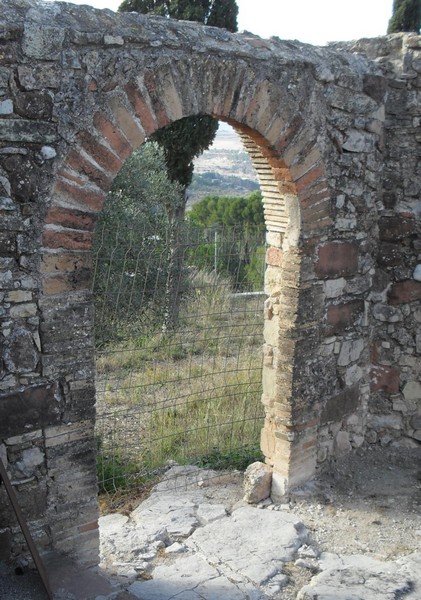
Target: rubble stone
[[257, 482]]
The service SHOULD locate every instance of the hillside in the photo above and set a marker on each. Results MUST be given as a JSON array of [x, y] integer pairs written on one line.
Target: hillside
[[224, 170]]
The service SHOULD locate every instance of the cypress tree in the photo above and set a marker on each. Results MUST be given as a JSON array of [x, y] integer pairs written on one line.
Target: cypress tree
[[406, 16], [187, 138]]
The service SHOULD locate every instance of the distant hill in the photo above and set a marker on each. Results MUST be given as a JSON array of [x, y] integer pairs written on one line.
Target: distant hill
[[224, 170]]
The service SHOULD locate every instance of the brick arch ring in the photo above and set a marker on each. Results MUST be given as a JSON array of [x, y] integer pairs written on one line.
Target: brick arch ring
[[284, 150]]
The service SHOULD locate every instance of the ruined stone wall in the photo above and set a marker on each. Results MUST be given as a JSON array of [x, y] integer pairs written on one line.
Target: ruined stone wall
[[389, 291], [80, 90], [395, 402], [395, 391]]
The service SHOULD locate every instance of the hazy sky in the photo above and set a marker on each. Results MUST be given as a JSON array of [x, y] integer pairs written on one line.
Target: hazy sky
[[311, 21]]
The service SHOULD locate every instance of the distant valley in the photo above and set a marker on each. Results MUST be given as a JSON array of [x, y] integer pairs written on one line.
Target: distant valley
[[223, 170]]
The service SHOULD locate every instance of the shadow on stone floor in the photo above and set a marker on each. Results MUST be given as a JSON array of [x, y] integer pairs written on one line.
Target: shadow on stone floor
[[67, 580]]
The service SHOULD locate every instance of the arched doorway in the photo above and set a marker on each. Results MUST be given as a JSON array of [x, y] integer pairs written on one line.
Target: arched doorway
[[312, 121], [187, 389]]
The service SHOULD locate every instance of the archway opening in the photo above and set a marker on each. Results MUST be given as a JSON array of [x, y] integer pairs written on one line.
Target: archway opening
[[188, 392]]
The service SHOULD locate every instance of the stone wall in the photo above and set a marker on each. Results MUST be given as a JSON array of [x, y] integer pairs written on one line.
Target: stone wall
[[333, 135], [395, 398], [392, 289]]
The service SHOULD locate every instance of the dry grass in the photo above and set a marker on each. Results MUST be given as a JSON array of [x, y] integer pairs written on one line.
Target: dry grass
[[189, 396]]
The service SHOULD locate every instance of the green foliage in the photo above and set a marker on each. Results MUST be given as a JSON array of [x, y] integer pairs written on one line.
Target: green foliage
[[114, 471], [182, 142], [217, 13], [406, 16], [242, 214], [241, 260], [238, 458], [130, 245], [254, 271], [234, 228], [192, 396], [223, 13]]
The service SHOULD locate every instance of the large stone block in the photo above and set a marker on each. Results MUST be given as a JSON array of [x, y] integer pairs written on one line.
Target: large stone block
[[42, 42], [23, 130], [32, 408], [350, 351], [412, 392], [405, 291], [341, 317], [34, 105], [257, 482], [39, 77], [396, 228], [385, 378], [20, 354], [341, 405], [337, 259], [390, 255]]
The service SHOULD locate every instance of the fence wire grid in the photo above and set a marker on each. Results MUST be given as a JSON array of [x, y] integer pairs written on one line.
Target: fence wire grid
[[183, 390]]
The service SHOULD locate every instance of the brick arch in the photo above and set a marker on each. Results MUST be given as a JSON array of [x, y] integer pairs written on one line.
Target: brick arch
[[84, 93], [293, 185]]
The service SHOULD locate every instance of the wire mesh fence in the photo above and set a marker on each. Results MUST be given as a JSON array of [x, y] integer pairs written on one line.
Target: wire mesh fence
[[185, 390]]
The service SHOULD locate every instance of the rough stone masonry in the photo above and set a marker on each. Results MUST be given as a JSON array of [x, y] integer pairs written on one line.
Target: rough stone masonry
[[334, 134]]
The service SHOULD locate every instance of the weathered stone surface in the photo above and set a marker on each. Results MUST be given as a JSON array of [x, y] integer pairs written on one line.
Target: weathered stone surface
[[342, 443], [353, 375], [189, 577], [416, 422], [257, 482], [34, 105], [23, 130], [386, 313], [288, 535], [385, 378], [405, 291], [358, 577], [87, 88], [358, 141], [379, 422], [42, 42], [334, 287], [340, 405], [396, 228], [6, 107], [337, 260], [31, 458], [207, 513], [29, 409], [39, 76], [342, 317], [350, 352], [20, 354], [412, 391]]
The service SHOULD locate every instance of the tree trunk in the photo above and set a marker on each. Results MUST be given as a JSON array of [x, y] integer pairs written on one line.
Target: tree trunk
[[175, 262]]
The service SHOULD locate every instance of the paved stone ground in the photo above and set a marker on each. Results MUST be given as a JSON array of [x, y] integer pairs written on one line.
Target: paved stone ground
[[67, 582], [194, 538]]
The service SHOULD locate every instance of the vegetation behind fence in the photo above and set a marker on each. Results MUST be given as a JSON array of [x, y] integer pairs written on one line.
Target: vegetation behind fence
[[190, 392]]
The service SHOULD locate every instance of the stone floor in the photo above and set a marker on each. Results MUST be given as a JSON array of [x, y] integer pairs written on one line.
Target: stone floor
[[195, 538]]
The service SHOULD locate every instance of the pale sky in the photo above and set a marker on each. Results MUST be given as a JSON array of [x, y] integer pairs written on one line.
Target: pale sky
[[312, 21]]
